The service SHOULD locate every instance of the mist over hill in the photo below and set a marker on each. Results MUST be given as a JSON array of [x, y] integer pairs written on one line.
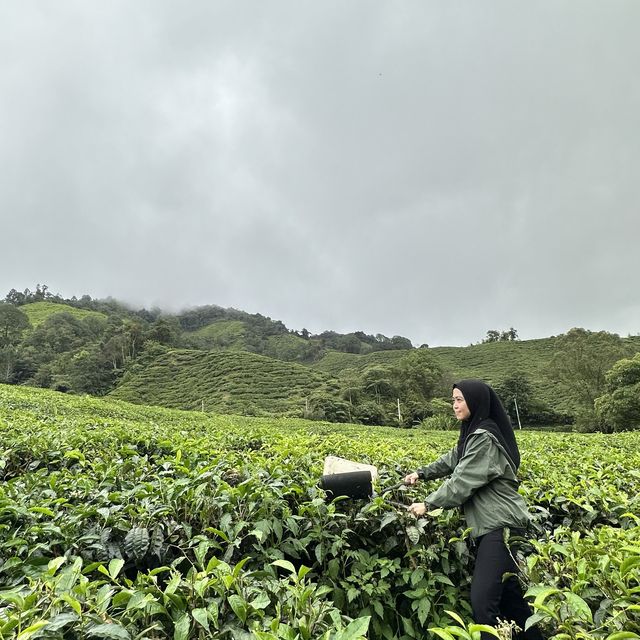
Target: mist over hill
[[229, 361]]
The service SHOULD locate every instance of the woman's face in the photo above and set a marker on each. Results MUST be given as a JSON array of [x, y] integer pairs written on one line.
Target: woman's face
[[460, 406]]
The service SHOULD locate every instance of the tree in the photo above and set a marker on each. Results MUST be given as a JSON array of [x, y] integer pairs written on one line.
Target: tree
[[15, 297], [619, 408], [348, 343], [89, 372], [493, 335], [24, 366], [60, 332], [165, 330], [418, 374], [27, 296], [351, 386], [514, 390], [41, 293], [323, 406], [440, 416], [13, 323], [123, 340], [581, 361], [297, 351], [400, 342], [380, 381], [418, 377], [370, 413]]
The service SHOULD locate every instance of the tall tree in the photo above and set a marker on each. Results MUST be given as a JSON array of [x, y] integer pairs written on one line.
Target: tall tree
[[582, 359], [419, 375], [165, 330], [619, 408], [379, 381], [516, 394], [509, 336], [493, 335], [13, 323]]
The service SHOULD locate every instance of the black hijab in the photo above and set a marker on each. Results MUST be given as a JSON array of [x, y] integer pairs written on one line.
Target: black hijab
[[487, 413]]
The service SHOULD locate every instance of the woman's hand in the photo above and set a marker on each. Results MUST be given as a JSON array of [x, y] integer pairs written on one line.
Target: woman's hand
[[417, 509], [412, 478]]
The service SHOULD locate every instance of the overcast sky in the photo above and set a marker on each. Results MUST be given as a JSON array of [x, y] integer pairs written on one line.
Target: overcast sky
[[417, 168]]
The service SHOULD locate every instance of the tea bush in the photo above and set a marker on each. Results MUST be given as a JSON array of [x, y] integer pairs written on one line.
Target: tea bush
[[122, 521]]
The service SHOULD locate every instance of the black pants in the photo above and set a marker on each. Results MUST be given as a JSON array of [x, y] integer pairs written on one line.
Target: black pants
[[493, 598]]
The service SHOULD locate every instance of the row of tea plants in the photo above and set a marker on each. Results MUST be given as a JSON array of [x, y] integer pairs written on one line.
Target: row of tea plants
[[127, 522]]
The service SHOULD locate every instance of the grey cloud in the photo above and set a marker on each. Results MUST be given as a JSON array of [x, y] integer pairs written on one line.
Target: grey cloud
[[425, 169]]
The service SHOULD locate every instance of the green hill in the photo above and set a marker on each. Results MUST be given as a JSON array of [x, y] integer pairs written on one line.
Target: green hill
[[492, 362], [235, 381], [223, 334], [232, 361], [240, 335], [223, 381], [495, 361], [334, 362], [38, 312]]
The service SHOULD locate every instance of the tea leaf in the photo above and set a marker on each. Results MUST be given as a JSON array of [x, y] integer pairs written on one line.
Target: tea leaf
[[200, 616], [262, 601], [43, 511], [108, 630], [182, 627], [413, 533], [578, 606], [239, 606], [483, 628], [423, 610], [284, 564], [356, 629], [445, 635], [60, 621], [534, 619], [455, 616], [115, 566], [72, 602], [136, 543], [32, 629]]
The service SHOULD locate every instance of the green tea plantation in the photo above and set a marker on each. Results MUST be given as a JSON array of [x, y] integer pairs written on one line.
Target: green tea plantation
[[127, 522]]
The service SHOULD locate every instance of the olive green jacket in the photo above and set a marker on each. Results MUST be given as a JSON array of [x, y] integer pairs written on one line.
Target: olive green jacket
[[483, 482]]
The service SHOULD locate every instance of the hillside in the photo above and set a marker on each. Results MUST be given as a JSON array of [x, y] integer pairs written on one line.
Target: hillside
[[241, 335], [223, 381], [228, 360], [234, 381], [492, 362], [334, 362], [38, 312], [222, 334], [496, 361]]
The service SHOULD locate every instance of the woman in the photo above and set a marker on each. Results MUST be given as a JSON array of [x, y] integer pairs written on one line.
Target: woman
[[482, 479]]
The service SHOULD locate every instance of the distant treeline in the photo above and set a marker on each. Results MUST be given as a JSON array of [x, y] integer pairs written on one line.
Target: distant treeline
[[261, 327]]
